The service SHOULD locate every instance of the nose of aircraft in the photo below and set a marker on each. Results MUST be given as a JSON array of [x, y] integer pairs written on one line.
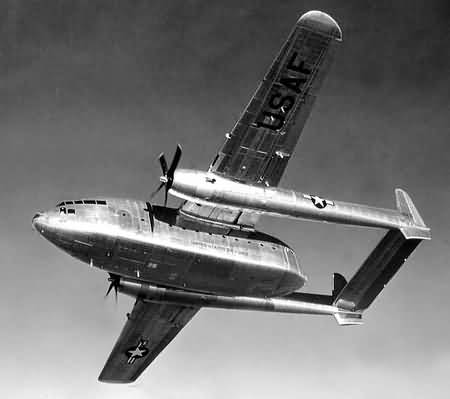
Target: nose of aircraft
[[38, 220]]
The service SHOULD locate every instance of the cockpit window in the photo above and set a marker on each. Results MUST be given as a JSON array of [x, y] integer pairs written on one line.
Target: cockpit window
[[80, 202]]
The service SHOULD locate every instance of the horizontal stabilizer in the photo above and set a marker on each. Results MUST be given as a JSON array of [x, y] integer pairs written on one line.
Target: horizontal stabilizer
[[380, 266], [348, 319], [418, 229]]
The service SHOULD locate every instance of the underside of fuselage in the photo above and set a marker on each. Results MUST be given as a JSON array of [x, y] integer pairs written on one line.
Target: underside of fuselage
[[154, 244]]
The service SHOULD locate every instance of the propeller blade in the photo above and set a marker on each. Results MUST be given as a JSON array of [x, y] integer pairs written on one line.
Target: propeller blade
[[109, 289], [167, 177], [152, 222], [163, 163], [175, 161], [161, 185], [114, 283], [150, 211], [165, 194]]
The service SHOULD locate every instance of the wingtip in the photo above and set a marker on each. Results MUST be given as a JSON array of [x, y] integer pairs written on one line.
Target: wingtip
[[107, 380], [322, 23]]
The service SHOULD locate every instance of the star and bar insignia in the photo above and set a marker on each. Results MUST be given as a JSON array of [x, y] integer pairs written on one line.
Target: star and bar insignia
[[137, 352], [318, 202]]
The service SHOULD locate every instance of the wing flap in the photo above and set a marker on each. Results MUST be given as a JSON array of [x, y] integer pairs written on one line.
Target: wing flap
[[149, 329]]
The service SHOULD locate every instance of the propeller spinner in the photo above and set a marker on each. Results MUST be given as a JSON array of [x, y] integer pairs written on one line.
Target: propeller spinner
[[167, 178]]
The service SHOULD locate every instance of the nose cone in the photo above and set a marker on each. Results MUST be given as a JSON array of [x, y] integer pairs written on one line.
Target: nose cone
[[38, 221]]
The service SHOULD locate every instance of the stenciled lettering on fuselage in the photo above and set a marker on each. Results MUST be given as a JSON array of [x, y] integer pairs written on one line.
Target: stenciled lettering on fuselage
[[283, 94]]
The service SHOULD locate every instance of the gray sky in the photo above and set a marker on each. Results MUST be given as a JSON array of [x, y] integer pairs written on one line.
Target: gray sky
[[93, 91]]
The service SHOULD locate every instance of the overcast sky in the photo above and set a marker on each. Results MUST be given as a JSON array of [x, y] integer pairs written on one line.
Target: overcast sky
[[92, 91]]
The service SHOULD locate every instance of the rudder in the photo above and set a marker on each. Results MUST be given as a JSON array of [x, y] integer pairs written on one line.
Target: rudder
[[418, 228]]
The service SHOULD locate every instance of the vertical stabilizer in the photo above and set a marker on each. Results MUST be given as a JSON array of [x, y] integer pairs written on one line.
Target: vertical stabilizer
[[339, 282], [418, 228]]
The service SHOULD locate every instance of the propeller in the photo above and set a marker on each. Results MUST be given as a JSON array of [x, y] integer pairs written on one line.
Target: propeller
[[167, 178], [149, 209], [114, 280]]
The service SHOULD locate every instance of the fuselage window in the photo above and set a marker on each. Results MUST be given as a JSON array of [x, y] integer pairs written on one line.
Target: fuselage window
[[70, 210], [80, 202]]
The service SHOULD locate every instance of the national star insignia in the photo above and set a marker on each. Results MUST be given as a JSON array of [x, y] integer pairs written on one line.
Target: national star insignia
[[318, 202], [136, 353]]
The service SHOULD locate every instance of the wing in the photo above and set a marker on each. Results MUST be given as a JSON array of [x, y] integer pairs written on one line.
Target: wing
[[261, 143], [149, 329]]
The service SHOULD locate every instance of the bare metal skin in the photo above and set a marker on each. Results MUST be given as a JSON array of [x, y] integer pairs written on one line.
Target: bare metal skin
[[210, 188], [208, 253], [117, 238]]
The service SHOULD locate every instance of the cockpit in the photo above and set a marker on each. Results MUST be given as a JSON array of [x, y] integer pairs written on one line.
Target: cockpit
[[67, 207]]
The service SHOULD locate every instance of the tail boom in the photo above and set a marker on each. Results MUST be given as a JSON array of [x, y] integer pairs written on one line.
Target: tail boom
[[209, 189]]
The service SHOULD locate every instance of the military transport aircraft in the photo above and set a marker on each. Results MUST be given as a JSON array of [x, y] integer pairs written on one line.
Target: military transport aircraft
[[208, 253]]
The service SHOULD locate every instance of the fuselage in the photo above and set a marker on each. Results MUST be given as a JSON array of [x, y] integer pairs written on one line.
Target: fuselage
[[116, 235]]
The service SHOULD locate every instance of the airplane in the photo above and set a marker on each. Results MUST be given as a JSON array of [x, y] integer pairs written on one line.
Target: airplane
[[208, 252]]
